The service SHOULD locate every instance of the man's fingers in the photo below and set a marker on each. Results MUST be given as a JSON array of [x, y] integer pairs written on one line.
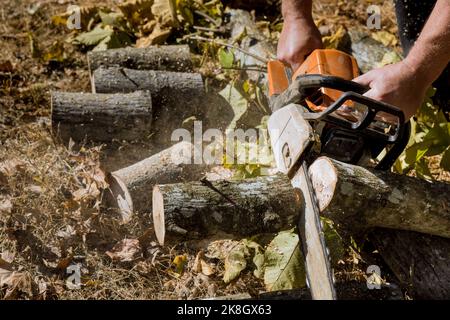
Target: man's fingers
[[364, 79], [385, 117]]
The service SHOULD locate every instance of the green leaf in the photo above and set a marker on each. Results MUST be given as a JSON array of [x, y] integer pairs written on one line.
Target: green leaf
[[235, 262], [110, 19], [237, 102], [226, 58], [258, 257], [389, 58], [118, 39], [93, 37], [423, 170], [333, 240], [445, 161], [284, 267]]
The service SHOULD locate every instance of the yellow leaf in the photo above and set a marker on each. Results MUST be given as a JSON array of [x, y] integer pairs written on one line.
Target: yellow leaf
[[332, 42], [180, 262], [386, 38], [59, 20], [126, 250]]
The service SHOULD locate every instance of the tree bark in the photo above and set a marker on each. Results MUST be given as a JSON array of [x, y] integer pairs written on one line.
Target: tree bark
[[359, 199], [170, 58], [101, 117], [421, 262], [131, 187], [264, 204]]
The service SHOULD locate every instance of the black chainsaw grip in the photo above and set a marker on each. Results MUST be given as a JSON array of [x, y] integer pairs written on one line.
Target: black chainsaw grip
[[316, 81]]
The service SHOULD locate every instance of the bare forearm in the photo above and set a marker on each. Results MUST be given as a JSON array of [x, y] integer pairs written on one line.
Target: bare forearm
[[431, 52], [296, 9]]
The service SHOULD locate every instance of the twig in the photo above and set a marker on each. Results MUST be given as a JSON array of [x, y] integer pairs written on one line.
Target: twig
[[245, 69], [208, 184], [263, 60], [207, 17], [219, 30]]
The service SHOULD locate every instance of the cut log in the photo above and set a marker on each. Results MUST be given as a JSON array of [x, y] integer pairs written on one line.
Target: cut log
[[101, 117], [359, 199], [161, 84], [170, 58], [264, 204], [176, 97], [131, 187], [421, 262]]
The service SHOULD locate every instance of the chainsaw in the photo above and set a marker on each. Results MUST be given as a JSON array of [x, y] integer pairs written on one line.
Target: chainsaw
[[318, 110]]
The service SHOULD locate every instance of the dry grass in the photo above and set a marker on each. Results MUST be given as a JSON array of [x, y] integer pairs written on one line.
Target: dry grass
[[48, 226]]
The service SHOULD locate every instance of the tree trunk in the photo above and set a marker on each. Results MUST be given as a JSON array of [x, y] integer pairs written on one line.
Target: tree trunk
[[101, 117], [131, 187], [252, 206], [359, 199], [170, 58]]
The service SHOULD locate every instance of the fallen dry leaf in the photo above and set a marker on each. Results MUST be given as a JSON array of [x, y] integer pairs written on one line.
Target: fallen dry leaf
[[207, 270], [197, 267], [5, 206], [6, 66], [15, 282], [126, 250], [12, 166], [90, 192], [201, 266]]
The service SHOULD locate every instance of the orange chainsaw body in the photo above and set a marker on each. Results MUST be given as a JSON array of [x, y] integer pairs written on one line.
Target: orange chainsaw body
[[321, 61]]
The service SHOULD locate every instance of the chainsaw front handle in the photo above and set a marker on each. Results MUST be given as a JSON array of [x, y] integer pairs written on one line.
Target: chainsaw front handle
[[317, 81], [304, 85]]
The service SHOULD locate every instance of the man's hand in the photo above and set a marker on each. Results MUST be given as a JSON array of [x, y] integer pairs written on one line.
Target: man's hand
[[300, 35], [298, 39], [404, 84], [397, 84]]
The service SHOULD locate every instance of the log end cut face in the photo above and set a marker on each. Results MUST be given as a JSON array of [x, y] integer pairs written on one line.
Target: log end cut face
[[158, 215]]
